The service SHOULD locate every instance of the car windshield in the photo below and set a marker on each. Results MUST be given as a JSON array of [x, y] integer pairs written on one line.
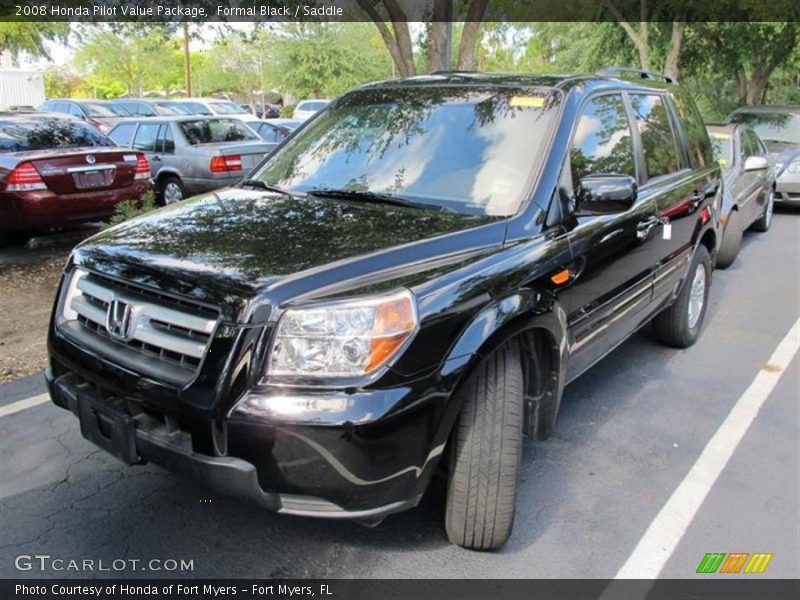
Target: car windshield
[[45, 134], [469, 149], [215, 131], [312, 105], [722, 145], [98, 110], [176, 107], [119, 111], [772, 127], [226, 108]]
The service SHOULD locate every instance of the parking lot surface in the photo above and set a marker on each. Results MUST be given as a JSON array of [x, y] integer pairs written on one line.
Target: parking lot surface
[[591, 499]]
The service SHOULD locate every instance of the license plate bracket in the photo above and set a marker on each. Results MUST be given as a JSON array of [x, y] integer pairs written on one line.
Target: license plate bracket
[[111, 430]]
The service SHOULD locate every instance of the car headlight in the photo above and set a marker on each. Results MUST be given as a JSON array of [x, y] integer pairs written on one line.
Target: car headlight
[[347, 339], [794, 167]]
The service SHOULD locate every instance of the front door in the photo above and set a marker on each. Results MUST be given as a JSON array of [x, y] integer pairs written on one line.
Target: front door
[[612, 273]]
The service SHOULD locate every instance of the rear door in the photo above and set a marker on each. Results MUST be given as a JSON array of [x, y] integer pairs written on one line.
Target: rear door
[[612, 274], [146, 140], [669, 181]]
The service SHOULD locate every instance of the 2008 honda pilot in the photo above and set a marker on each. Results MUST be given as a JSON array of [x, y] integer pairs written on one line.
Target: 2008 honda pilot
[[407, 282]]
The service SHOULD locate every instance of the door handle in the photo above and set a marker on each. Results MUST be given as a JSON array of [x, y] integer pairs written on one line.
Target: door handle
[[645, 226], [155, 157]]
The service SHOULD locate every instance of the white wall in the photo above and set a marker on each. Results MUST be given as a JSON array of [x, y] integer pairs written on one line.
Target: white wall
[[19, 86]]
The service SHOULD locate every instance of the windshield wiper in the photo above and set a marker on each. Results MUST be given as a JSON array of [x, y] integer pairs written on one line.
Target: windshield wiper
[[375, 197], [263, 185]]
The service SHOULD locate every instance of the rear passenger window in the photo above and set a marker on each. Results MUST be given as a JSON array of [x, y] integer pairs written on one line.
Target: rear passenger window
[[122, 133], [74, 109], [602, 141], [146, 137], [269, 133], [658, 142], [166, 143], [700, 151]]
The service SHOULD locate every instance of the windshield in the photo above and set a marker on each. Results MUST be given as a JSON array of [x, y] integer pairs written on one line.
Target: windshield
[[469, 149], [118, 110], [175, 108], [214, 131], [45, 134], [722, 145], [226, 108], [772, 127], [98, 110]]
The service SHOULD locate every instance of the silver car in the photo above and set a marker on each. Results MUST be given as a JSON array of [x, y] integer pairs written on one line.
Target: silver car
[[190, 155], [749, 185]]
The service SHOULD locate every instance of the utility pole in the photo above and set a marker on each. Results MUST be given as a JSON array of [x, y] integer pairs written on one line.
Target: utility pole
[[448, 36], [187, 65]]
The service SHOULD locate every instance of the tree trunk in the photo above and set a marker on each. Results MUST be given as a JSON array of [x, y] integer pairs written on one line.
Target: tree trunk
[[402, 35], [436, 38], [469, 37], [671, 65], [639, 38], [401, 53]]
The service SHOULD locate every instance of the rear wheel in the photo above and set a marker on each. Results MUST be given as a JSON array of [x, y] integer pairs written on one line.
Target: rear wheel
[[680, 324], [731, 241], [485, 453], [765, 220], [172, 190]]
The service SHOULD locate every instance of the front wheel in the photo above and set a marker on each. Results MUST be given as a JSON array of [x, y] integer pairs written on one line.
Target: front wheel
[[765, 220], [680, 324], [486, 451]]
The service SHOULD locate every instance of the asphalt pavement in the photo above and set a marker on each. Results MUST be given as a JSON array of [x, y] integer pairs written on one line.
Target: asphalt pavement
[[632, 435]]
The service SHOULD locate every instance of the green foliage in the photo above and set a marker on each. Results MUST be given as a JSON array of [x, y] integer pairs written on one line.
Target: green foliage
[[129, 209], [29, 37]]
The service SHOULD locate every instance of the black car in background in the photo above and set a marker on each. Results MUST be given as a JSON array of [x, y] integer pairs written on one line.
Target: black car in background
[[98, 113], [749, 184], [407, 283], [142, 107]]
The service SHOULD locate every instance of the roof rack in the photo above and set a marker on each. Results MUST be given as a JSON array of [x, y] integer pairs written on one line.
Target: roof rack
[[620, 71]]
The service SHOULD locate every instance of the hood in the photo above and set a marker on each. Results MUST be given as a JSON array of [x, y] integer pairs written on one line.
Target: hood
[[230, 246]]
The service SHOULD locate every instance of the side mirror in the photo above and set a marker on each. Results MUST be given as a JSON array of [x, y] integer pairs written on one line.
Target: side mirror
[[605, 194], [756, 163]]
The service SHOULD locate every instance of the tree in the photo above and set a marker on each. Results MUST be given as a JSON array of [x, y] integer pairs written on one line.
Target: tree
[[29, 37]]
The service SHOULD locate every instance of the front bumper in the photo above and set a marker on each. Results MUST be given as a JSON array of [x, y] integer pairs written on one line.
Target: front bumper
[[787, 189], [298, 466]]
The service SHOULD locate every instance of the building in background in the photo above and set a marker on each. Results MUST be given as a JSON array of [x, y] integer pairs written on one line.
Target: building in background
[[21, 87]]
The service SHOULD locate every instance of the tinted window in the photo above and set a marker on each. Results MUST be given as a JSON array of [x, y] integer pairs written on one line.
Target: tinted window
[[602, 141], [61, 107], [146, 137], [722, 144], [658, 143], [227, 108], [775, 127], [98, 110], [213, 131], [269, 133], [118, 110], [466, 148], [121, 134], [696, 137], [312, 105], [196, 108], [41, 134], [173, 108], [74, 109], [166, 143]]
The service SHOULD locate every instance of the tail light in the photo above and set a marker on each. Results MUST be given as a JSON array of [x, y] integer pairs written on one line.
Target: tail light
[[142, 167], [25, 178], [226, 164]]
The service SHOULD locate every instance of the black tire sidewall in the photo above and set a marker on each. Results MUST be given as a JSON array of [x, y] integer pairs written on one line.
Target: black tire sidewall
[[701, 257], [731, 241]]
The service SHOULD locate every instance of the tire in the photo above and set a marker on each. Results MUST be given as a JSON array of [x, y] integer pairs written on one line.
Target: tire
[[731, 241], [171, 190], [680, 324], [765, 220], [485, 453]]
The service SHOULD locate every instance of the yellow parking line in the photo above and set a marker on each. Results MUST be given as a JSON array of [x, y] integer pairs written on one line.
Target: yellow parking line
[[15, 407]]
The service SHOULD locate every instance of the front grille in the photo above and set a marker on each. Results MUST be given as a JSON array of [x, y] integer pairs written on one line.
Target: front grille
[[156, 333]]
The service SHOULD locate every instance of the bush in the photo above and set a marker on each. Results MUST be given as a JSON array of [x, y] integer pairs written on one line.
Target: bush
[[287, 111], [132, 208]]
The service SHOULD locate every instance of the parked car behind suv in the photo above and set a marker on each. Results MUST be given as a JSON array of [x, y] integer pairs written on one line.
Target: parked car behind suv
[[408, 282], [97, 113], [779, 129], [306, 109], [191, 155], [749, 184], [56, 172], [142, 107]]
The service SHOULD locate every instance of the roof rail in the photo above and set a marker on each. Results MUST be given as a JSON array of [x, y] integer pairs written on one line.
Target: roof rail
[[621, 71]]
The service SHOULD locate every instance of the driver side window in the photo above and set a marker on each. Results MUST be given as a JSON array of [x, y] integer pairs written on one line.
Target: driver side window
[[602, 142]]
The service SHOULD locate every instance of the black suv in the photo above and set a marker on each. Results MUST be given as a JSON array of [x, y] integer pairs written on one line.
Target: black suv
[[406, 283]]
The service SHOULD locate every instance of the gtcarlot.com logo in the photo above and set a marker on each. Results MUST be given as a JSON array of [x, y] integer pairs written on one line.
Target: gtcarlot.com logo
[[735, 562], [46, 562]]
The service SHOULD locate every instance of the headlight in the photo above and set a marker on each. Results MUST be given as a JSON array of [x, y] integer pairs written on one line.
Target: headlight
[[343, 339]]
